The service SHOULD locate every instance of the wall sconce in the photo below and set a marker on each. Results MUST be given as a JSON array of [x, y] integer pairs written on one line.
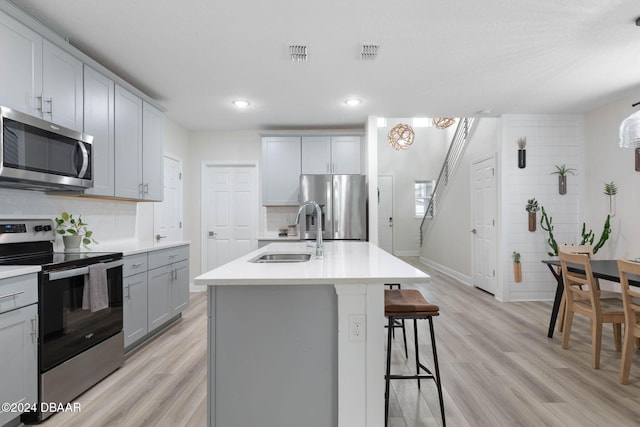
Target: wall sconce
[[630, 134], [522, 153], [401, 136]]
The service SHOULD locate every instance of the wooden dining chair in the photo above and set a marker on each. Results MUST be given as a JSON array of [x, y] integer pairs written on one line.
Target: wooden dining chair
[[571, 249], [631, 315], [583, 295]]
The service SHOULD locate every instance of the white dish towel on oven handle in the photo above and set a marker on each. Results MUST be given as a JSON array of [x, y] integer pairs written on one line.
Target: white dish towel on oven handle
[[95, 295]]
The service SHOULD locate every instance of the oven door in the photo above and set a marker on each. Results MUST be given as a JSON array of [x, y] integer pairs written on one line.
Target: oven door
[[66, 329]]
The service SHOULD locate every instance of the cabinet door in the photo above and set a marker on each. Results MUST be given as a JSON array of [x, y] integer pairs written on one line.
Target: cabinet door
[[135, 308], [159, 294], [128, 144], [316, 155], [152, 146], [99, 123], [62, 87], [345, 154], [18, 358], [280, 171], [20, 83], [180, 287]]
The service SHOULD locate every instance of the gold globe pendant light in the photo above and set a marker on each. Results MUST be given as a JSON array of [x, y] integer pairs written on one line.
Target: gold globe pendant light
[[443, 122], [401, 136]]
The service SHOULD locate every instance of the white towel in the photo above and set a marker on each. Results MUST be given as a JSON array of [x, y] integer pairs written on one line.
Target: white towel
[[95, 295]]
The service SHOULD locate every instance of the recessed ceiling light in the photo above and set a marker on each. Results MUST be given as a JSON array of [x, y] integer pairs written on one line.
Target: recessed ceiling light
[[241, 103], [352, 102]]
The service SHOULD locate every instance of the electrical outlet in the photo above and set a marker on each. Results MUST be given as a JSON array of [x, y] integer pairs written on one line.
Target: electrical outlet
[[357, 328]]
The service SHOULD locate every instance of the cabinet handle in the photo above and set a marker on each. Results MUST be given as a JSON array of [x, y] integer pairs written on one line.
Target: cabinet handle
[[136, 265], [41, 99], [129, 292], [34, 327], [11, 295], [140, 189], [50, 101], [145, 188]]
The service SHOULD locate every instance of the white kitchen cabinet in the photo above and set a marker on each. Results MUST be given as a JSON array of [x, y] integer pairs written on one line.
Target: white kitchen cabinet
[[19, 342], [43, 79], [331, 155], [99, 123], [280, 170], [168, 285], [128, 144], [134, 290], [138, 148], [152, 146]]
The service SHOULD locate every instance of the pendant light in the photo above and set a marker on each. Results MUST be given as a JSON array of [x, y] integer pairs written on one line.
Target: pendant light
[[443, 122], [401, 136], [630, 135]]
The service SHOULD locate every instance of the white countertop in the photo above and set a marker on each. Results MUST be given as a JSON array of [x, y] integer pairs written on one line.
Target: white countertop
[[343, 263], [7, 271], [276, 237], [130, 247]]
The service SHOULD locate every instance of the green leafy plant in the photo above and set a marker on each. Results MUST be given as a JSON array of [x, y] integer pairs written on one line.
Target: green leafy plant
[[532, 205], [563, 170], [522, 142], [610, 189], [67, 225], [516, 257], [587, 237]]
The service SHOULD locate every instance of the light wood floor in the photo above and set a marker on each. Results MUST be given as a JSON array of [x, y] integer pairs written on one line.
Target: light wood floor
[[498, 369]]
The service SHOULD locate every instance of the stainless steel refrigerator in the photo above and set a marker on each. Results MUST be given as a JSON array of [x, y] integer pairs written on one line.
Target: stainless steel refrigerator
[[343, 199]]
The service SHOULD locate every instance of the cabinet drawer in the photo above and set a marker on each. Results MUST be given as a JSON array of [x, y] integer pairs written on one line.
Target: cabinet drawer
[[168, 256], [135, 264], [19, 291]]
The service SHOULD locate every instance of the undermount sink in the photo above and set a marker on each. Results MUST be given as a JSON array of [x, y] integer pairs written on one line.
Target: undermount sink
[[282, 257]]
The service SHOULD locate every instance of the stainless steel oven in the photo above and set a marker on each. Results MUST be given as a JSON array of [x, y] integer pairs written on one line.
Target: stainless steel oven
[[78, 343], [36, 154]]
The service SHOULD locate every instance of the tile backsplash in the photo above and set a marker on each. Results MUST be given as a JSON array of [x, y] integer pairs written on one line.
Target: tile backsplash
[[110, 220]]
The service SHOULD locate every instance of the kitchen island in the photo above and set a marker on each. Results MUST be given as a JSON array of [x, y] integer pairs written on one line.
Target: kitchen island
[[300, 343]]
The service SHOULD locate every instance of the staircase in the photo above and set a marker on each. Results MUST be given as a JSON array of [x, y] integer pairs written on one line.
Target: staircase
[[456, 150]]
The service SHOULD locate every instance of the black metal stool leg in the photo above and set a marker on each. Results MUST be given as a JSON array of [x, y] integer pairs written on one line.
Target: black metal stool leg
[[404, 338], [437, 370], [416, 348], [387, 376]]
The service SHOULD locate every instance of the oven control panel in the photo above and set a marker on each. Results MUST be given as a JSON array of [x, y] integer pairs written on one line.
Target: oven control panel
[[26, 230]]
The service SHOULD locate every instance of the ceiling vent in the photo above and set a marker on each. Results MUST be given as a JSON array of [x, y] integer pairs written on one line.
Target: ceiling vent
[[298, 52], [369, 52]]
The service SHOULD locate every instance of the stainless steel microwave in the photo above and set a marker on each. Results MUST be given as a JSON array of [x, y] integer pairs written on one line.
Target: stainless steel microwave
[[40, 155]]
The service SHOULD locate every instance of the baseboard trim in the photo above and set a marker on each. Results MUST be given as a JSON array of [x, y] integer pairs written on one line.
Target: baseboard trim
[[462, 278]]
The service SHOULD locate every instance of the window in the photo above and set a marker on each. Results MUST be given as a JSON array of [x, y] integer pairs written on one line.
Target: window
[[423, 190]]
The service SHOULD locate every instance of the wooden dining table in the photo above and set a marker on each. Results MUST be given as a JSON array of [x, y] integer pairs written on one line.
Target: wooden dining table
[[606, 269]]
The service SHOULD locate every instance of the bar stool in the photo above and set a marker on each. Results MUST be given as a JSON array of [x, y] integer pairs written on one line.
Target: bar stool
[[402, 304], [399, 323]]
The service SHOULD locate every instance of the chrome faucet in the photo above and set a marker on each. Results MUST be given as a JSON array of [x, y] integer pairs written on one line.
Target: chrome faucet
[[319, 248]]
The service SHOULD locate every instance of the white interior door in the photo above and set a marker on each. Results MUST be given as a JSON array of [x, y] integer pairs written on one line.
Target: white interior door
[[385, 212], [483, 205], [230, 211], [168, 213]]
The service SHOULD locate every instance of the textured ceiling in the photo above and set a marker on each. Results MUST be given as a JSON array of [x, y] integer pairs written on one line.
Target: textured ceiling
[[437, 57]]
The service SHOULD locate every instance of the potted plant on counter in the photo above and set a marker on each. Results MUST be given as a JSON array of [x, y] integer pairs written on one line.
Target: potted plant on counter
[[74, 232], [532, 208]]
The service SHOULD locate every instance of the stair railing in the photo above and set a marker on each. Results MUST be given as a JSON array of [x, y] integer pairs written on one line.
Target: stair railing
[[456, 150]]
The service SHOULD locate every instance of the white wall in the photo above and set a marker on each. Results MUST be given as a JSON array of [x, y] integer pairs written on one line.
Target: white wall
[[448, 242], [606, 162], [421, 161]]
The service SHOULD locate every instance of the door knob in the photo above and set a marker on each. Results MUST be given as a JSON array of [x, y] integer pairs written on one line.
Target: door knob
[[158, 237], [474, 231], [212, 234]]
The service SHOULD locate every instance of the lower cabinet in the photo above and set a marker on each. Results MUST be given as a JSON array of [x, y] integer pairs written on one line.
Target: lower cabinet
[[18, 345], [159, 294]]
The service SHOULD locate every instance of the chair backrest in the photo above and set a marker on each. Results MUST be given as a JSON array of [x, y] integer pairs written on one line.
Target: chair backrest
[[629, 292], [576, 249], [579, 286]]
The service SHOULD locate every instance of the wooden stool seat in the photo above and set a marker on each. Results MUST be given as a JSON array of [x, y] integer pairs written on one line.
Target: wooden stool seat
[[409, 302], [401, 304]]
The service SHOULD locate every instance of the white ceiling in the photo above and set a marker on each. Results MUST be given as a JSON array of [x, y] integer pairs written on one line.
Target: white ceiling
[[437, 57]]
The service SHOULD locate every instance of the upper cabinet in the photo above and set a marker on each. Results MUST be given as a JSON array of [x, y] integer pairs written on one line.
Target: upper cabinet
[[331, 155], [280, 170], [138, 148], [99, 123], [39, 78]]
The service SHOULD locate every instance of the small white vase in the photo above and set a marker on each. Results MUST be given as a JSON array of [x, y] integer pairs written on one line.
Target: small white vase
[[71, 243]]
